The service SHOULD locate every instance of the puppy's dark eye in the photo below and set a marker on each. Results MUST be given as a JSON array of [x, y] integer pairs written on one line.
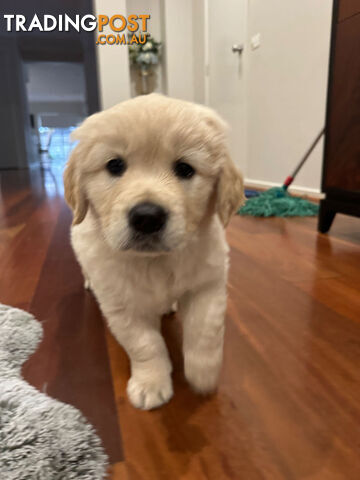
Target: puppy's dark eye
[[116, 166], [183, 170]]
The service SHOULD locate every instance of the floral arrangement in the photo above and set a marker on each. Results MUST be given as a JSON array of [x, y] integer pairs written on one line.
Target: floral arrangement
[[145, 55]]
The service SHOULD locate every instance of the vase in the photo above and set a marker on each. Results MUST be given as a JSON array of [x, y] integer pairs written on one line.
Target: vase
[[145, 83]]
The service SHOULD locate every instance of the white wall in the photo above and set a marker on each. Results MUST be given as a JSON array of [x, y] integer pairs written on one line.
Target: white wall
[[179, 48], [287, 83], [171, 21], [55, 81], [113, 60], [58, 89], [199, 60]]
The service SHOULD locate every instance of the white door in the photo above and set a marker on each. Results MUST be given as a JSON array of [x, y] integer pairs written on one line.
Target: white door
[[225, 26]]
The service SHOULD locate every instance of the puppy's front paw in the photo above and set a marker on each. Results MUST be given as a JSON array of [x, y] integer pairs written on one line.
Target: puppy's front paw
[[151, 393], [202, 373]]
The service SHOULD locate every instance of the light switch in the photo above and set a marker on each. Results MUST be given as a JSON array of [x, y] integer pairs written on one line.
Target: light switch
[[255, 41]]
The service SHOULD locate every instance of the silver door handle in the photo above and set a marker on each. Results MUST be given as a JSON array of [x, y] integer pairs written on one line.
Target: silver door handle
[[237, 49]]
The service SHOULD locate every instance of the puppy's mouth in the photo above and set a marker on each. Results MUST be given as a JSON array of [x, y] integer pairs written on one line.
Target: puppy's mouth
[[147, 244]]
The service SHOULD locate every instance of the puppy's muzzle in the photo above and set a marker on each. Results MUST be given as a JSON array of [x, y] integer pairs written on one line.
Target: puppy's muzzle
[[147, 218]]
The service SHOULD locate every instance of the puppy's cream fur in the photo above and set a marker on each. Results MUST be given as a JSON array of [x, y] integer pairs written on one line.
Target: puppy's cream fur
[[188, 264]]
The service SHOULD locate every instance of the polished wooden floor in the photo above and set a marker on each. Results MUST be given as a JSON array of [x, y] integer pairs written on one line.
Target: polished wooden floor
[[288, 404]]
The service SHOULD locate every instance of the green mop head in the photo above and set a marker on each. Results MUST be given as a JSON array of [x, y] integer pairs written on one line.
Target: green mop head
[[276, 202]]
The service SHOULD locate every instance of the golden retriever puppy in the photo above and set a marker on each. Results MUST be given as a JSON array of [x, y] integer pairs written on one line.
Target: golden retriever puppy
[[151, 186]]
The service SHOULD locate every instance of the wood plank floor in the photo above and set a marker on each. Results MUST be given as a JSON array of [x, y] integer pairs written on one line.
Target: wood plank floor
[[288, 403]]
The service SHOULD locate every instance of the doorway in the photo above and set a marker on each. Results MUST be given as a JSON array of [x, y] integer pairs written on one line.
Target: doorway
[[57, 104]]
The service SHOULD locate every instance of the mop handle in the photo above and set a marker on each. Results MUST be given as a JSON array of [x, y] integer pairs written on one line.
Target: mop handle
[[291, 177]]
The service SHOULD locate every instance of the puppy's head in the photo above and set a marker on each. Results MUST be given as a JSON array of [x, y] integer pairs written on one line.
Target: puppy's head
[[152, 170]]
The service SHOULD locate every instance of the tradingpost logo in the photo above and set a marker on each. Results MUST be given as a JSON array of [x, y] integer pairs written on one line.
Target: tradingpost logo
[[124, 30]]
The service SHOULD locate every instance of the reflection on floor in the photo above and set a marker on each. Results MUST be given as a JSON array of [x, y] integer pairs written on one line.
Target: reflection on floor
[[57, 141], [55, 148], [288, 403]]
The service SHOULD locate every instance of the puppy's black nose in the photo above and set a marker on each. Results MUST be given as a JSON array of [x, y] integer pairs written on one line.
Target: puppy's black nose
[[147, 218]]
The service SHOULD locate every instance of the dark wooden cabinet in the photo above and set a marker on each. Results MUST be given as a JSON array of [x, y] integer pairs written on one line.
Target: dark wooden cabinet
[[341, 167]]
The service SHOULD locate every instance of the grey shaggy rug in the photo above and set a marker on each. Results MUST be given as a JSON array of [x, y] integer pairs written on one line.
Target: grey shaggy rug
[[40, 438]]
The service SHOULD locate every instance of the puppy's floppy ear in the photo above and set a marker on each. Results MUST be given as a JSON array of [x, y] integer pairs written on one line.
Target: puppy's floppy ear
[[230, 186], [230, 190], [74, 191]]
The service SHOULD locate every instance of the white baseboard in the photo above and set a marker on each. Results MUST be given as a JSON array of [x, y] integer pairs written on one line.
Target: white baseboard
[[296, 189]]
